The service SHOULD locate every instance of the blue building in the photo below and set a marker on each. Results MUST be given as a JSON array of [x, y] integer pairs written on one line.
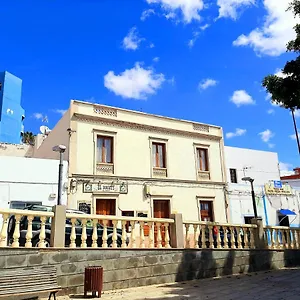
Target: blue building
[[11, 111]]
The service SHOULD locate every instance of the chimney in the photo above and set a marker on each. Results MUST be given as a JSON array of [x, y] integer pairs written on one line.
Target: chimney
[[297, 170]]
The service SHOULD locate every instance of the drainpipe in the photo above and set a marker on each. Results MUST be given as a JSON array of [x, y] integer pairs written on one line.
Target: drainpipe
[[266, 213]]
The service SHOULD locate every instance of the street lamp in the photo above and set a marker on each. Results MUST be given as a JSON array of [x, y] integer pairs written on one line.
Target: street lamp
[[61, 149], [251, 180]]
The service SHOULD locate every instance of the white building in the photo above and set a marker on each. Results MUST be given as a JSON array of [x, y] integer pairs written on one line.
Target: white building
[[263, 167], [25, 181]]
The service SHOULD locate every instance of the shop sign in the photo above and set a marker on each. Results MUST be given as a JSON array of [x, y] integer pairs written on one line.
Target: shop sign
[[105, 187], [273, 188]]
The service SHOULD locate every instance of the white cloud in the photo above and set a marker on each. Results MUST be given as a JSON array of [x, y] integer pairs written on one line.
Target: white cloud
[[60, 111], [204, 27], [132, 41], [147, 13], [277, 30], [271, 145], [40, 116], [135, 83], [206, 83], [229, 8], [293, 136], [172, 81], [286, 169], [279, 73], [271, 111], [156, 59], [296, 113], [241, 97], [189, 8], [151, 45], [238, 132], [266, 135]]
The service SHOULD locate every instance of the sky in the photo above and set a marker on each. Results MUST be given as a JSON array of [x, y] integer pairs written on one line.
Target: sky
[[199, 60]]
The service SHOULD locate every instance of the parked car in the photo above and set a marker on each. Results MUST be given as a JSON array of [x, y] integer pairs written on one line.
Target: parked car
[[36, 227], [215, 234]]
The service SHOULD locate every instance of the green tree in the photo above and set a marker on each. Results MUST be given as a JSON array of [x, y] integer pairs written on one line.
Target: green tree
[[28, 138], [285, 89]]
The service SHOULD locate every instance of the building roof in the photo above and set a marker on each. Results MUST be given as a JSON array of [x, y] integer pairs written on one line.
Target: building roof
[[293, 176]]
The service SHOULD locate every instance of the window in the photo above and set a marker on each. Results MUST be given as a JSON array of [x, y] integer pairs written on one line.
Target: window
[[233, 177], [248, 219], [105, 149], [206, 211], [22, 204], [202, 159], [159, 155]]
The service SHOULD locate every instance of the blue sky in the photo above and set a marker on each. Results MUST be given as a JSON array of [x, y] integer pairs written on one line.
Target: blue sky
[[190, 59]]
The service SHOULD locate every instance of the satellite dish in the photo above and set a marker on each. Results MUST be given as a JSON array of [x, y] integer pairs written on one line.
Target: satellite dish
[[44, 129]]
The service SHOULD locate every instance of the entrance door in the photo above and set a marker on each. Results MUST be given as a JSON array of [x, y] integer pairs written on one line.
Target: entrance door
[[206, 211], [106, 207], [161, 210]]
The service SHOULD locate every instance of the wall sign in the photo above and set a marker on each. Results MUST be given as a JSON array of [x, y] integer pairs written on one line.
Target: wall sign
[[105, 187], [277, 184], [271, 189]]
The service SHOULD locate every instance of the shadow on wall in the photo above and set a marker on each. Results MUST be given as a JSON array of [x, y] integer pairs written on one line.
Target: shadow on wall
[[291, 258]]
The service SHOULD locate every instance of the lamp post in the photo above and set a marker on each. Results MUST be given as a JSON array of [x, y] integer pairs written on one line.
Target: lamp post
[[61, 149], [251, 180]]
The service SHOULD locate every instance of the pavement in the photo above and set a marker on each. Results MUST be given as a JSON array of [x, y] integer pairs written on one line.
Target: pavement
[[272, 285]]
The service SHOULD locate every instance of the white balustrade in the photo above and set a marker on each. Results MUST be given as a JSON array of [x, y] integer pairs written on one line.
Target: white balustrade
[[42, 236], [28, 243]]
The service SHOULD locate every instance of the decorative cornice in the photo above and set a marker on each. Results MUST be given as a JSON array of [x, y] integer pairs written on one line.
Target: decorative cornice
[[142, 127]]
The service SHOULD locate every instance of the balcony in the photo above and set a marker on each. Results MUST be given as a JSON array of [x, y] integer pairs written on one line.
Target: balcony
[[104, 169]]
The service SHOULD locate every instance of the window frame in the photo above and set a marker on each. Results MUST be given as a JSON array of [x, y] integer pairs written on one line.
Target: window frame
[[111, 139], [199, 161], [235, 175], [157, 144], [211, 204]]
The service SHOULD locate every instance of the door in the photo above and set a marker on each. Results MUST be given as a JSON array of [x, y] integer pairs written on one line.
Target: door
[[106, 207], [206, 211], [161, 209]]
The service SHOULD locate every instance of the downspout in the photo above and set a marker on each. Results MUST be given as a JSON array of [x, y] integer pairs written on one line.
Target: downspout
[[266, 213]]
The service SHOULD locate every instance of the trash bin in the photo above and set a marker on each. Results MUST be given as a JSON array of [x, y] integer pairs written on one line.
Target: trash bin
[[93, 281]]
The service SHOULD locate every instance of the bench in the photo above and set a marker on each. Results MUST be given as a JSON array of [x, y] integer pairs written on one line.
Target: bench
[[28, 282]]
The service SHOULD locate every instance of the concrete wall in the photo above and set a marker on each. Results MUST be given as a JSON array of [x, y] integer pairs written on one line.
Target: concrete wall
[[29, 180], [20, 150], [260, 165], [132, 268]]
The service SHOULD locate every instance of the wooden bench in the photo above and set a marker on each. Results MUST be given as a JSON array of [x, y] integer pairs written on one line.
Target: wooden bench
[[28, 282]]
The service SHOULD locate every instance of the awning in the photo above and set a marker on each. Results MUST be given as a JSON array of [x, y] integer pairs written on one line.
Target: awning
[[287, 212]]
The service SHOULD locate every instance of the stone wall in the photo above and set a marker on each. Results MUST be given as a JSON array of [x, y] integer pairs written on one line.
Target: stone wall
[[131, 268]]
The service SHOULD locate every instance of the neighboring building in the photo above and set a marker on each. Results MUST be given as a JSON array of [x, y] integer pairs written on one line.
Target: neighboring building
[[11, 111], [20, 150], [293, 179], [275, 205], [28, 181], [129, 163]]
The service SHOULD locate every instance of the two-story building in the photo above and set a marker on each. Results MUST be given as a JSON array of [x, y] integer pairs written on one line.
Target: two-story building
[[129, 163]]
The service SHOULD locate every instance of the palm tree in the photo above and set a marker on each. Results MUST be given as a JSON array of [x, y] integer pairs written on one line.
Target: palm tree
[[28, 138]]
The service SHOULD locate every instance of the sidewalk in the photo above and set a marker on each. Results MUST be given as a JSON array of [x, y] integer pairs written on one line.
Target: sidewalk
[[275, 285]]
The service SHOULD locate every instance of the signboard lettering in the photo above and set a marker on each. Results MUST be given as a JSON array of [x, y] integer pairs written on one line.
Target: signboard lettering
[[273, 189], [105, 187]]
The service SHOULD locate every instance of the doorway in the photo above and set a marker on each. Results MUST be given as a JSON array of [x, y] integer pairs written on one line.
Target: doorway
[[106, 207], [284, 220], [161, 209]]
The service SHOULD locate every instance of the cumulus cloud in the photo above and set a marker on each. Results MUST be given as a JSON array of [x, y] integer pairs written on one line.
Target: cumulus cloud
[[271, 111], [206, 83], [286, 169], [293, 136], [147, 13], [241, 97], [266, 136], [230, 8], [132, 41], [271, 38], [156, 59], [40, 116], [134, 83], [238, 132], [189, 9]]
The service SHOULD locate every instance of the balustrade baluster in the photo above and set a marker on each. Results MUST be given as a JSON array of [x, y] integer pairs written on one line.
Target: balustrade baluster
[[115, 236], [210, 237], [239, 237], [73, 234], [187, 235], [3, 234], [288, 239], [104, 236], [42, 232], [83, 234], [16, 234], [246, 239], [159, 238], [219, 245], [95, 233], [196, 244], [124, 234], [151, 235], [133, 244], [142, 235], [272, 231], [282, 233], [278, 236], [225, 230], [167, 236], [232, 237], [28, 243], [298, 238], [252, 242]]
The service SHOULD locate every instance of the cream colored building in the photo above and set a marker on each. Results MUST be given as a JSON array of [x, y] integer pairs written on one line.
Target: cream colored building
[[124, 162]]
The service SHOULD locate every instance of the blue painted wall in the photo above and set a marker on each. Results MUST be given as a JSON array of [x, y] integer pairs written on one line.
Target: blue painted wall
[[11, 111]]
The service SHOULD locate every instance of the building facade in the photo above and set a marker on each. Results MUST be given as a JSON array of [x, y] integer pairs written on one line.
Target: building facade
[[130, 163], [11, 111], [277, 203]]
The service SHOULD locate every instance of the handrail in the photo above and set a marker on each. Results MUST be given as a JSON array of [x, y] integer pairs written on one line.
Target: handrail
[[219, 224], [5, 211]]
